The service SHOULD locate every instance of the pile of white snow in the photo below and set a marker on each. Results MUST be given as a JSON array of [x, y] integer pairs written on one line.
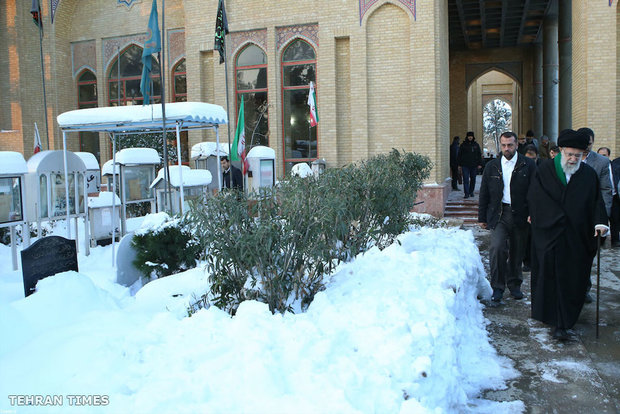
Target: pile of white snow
[[396, 331]]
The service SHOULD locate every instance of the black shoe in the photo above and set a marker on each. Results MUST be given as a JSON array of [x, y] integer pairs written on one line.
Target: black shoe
[[466, 196], [471, 195], [516, 293], [588, 298], [526, 268], [497, 295], [560, 334]]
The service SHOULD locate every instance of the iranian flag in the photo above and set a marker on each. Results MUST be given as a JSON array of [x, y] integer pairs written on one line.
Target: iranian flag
[[314, 116], [37, 139], [238, 146]]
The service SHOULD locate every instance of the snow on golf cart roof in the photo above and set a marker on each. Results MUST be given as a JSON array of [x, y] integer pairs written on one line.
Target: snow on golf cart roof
[[12, 163], [191, 178], [206, 149], [137, 156]]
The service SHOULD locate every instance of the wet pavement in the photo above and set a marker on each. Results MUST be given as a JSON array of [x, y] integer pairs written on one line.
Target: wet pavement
[[581, 375]]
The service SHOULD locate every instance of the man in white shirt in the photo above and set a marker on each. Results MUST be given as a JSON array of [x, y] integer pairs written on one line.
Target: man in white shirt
[[503, 209]]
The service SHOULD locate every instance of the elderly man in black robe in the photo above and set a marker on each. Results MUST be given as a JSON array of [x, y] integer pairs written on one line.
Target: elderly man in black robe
[[567, 213]]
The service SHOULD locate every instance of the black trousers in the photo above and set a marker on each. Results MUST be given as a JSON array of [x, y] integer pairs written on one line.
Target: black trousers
[[469, 179], [454, 170], [506, 252], [527, 253], [614, 220]]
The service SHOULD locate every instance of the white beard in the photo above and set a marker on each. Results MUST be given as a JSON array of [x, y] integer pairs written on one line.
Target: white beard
[[569, 169]]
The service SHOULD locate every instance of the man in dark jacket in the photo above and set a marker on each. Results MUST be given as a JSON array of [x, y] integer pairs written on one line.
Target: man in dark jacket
[[503, 208], [614, 218], [470, 161], [230, 172], [567, 211], [454, 166]]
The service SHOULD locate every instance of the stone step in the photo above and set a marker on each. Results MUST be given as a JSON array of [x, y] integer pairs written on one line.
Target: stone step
[[466, 220], [461, 208], [465, 214], [462, 203], [465, 209]]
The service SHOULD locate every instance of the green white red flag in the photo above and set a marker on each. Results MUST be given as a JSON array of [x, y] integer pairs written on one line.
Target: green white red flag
[[238, 146], [37, 139], [314, 116]]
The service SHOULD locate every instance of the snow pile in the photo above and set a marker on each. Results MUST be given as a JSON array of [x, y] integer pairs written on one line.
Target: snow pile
[[104, 199], [301, 170], [156, 222], [396, 331]]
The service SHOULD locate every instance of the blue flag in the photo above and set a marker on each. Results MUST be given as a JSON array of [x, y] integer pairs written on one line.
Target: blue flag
[[152, 45]]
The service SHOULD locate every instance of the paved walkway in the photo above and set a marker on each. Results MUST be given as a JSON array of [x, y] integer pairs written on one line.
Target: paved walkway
[[581, 375]]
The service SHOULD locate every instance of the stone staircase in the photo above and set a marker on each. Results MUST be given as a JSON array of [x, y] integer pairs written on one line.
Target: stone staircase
[[465, 209]]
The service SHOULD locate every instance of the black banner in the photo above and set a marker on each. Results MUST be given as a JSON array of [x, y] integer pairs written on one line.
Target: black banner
[[221, 30]]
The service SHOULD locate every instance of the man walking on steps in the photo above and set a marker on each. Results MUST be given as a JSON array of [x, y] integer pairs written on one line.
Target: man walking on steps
[[503, 209], [470, 161]]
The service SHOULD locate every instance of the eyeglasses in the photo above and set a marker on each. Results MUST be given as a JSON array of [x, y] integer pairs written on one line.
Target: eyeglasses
[[572, 154]]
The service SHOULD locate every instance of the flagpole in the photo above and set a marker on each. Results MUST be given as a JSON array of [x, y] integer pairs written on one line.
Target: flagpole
[[227, 107], [162, 71], [40, 19]]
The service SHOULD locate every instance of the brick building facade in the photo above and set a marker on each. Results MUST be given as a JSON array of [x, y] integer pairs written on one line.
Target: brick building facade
[[386, 75]]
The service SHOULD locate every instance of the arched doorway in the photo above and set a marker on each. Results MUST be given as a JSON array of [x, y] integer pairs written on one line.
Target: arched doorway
[[496, 119], [504, 93]]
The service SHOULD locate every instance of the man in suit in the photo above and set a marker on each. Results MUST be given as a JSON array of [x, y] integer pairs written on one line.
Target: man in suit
[[230, 172], [600, 165], [614, 217]]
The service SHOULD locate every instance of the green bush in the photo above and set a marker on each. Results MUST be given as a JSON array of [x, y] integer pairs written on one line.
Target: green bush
[[278, 248], [5, 232], [166, 250]]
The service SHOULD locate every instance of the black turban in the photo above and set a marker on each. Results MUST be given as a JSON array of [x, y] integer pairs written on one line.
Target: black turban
[[573, 139]]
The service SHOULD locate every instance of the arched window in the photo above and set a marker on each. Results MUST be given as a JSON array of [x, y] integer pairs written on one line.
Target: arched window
[[298, 70], [180, 82], [130, 76], [251, 76], [87, 98]]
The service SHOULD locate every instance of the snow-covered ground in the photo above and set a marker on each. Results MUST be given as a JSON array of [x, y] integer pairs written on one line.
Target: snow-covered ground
[[396, 331]]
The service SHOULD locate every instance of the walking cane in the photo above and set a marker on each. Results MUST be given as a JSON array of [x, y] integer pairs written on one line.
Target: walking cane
[[598, 278]]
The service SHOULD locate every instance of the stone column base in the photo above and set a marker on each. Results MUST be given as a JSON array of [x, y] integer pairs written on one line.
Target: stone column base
[[434, 197]]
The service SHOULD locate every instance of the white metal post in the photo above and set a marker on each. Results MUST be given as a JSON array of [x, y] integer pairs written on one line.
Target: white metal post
[[86, 222], [219, 165], [64, 153], [114, 200], [26, 225], [180, 169], [14, 247]]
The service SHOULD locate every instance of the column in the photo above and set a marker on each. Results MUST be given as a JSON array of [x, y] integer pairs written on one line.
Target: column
[[537, 101], [550, 72], [565, 47]]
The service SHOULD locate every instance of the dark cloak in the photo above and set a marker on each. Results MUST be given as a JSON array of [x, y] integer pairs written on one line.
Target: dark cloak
[[563, 242]]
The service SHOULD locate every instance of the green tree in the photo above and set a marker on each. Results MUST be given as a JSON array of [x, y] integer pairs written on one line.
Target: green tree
[[497, 118]]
